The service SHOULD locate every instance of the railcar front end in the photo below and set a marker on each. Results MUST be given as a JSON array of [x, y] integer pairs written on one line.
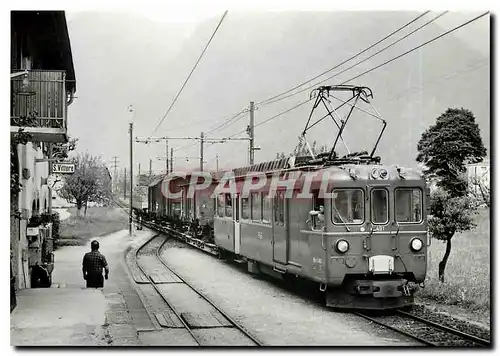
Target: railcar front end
[[371, 249]]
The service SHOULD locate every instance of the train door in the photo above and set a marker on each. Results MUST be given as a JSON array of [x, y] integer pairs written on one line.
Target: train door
[[280, 228], [236, 223]]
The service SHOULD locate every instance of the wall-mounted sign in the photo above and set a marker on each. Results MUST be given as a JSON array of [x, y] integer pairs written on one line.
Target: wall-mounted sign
[[63, 168], [32, 231]]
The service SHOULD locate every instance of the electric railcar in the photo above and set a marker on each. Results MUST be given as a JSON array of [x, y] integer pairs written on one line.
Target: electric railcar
[[356, 227], [364, 241]]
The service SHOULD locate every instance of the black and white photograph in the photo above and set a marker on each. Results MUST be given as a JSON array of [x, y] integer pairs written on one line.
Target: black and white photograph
[[187, 174]]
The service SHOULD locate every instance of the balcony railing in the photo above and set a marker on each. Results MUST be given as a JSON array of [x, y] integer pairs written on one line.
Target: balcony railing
[[41, 94]]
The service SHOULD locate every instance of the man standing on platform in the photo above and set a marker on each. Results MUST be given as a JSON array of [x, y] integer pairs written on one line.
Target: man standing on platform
[[93, 264]]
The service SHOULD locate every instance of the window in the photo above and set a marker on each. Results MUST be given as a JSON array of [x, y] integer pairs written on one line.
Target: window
[[229, 205], [408, 205], [380, 208], [245, 208], [318, 221], [348, 206], [188, 207], [220, 205], [256, 207], [267, 212]]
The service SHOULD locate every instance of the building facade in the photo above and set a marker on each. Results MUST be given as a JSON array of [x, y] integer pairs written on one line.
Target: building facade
[[42, 85], [478, 180]]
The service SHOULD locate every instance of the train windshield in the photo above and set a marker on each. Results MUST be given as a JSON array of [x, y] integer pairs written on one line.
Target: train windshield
[[348, 206], [408, 205], [380, 208]]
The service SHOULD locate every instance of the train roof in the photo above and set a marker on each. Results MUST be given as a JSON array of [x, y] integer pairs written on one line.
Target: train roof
[[359, 165], [351, 170]]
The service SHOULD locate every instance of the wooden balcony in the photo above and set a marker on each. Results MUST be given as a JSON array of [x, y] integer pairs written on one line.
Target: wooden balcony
[[42, 95]]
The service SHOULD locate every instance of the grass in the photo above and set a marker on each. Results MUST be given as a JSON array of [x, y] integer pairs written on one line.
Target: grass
[[467, 274], [77, 230]]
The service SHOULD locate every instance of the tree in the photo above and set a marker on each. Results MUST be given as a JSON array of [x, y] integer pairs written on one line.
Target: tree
[[302, 150], [445, 148], [449, 215], [61, 150], [89, 183]]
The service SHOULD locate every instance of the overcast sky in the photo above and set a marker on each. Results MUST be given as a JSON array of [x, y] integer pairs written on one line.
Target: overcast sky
[[142, 58]]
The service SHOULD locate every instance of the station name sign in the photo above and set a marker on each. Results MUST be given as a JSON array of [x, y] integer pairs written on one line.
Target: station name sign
[[63, 168]]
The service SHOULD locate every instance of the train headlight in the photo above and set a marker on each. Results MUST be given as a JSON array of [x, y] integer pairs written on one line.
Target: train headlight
[[383, 173], [416, 244], [342, 246], [375, 173]]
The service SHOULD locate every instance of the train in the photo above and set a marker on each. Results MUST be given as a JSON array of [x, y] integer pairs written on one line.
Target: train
[[364, 241], [354, 226]]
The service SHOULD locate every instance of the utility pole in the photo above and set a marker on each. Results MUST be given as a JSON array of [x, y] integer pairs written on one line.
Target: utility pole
[[150, 168], [125, 185], [171, 160], [217, 162], [251, 133], [201, 152], [115, 176], [131, 128], [139, 174], [166, 156]]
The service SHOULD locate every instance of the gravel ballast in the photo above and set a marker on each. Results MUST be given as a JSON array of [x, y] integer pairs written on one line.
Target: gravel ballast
[[273, 315]]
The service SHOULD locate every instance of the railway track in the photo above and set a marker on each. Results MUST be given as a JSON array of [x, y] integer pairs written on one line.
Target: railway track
[[425, 331], [186, 307]]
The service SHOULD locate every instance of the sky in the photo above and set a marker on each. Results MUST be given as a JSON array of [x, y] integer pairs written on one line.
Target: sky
[[141, 58]]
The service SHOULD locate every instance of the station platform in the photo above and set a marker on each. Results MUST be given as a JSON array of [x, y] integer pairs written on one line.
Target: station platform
[[68, 314]]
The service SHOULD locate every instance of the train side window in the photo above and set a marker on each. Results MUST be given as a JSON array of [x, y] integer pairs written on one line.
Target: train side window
[[228, 205], [256, 207], [348, 206], [245, 208], [408, 205], [380, 206], [282, 209], [318, 221], [266, 208], [279, 208], [220, 205]]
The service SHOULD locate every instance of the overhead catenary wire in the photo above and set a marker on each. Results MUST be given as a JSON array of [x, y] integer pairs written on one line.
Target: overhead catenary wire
[[275, 116], [374, 68], [263, 102], [223, 122], [417, 47], [190, 73], [363, 60], [233, 119], [381, 65]]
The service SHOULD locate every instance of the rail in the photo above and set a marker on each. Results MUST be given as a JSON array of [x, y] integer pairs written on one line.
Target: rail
[[425, 331], [195, 336]]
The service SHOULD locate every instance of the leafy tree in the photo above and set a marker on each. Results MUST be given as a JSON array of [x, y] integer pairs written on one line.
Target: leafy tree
[[89, 183], [445, 149], [61, 150], [448, 146], [302, 150], [449, 215]]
